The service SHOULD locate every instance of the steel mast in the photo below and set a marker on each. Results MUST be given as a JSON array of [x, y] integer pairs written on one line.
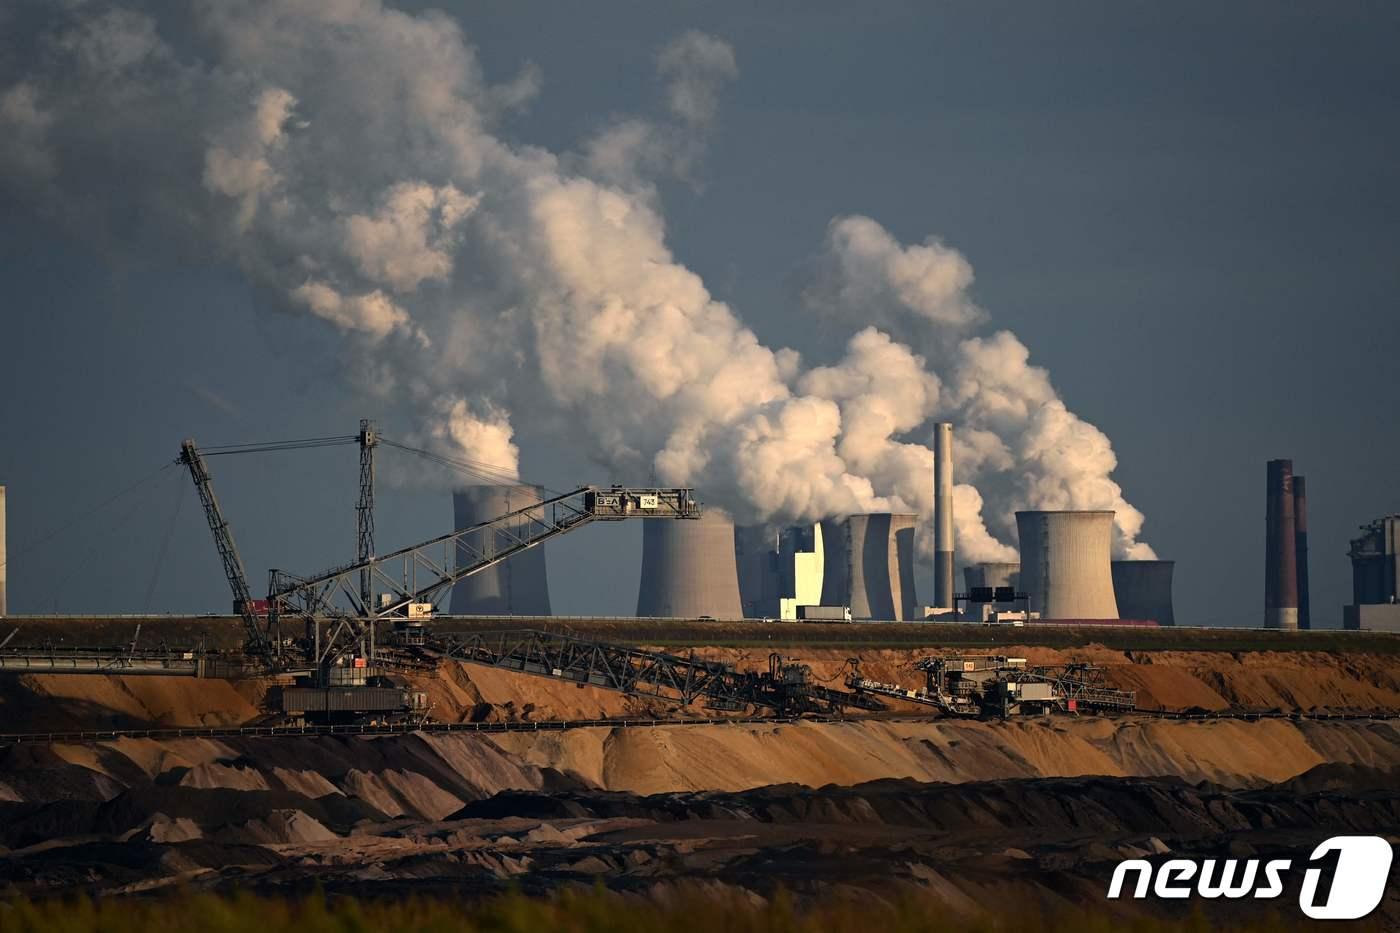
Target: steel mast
[[364, 514]]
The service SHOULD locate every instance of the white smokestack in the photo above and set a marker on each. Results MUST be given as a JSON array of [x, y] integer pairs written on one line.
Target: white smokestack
[[943, 516]]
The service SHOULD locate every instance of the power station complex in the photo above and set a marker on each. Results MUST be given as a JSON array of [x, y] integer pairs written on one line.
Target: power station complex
[[856, 567], [853, 567]]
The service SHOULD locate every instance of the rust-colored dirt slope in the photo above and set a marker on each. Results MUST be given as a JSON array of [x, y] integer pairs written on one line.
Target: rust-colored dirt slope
[[1173, 680]]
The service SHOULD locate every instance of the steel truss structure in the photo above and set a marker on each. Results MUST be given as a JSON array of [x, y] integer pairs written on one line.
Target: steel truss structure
[[423, 572], [54, 659], [785, 688]]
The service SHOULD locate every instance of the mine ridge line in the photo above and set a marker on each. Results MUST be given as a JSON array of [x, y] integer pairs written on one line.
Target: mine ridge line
[[561, 725]]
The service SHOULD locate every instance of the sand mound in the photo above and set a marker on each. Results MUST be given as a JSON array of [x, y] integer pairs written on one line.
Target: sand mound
[[738, 757], [210, 775], [279, 827], [164, 829]]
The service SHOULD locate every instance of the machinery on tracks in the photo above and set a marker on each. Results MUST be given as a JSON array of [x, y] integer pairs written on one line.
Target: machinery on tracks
[[337, 638], [985, 686]]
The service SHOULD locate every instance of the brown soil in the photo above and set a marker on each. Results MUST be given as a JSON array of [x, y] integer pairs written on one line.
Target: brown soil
[[1172, 680]]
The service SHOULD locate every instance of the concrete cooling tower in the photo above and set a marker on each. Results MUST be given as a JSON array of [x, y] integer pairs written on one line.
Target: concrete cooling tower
[[688, 568], [756, 555], [516, 586], [1065, 564], [992, 574], [1143, 589], [870, 565]]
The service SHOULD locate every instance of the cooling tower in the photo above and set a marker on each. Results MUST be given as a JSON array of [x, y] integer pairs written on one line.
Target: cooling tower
[[1065, 564], [1143, 589], [688, 568], [756, 557], [516, 586], [943, 516], [869, 565], [1300, 550], [992, 574], [1280, 549], [4, 559]]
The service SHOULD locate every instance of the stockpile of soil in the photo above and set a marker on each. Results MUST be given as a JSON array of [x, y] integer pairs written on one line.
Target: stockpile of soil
[[969, 849], [428, 776]]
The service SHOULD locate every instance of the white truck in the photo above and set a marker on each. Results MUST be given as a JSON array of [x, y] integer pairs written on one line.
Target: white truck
[[824, 613]]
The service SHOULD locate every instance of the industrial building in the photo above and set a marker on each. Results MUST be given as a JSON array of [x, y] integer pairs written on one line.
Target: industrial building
[[1143, 590], [518, 585], [801, 568], [869, 565], [1375, 577], [689, 570], [1065, 564]]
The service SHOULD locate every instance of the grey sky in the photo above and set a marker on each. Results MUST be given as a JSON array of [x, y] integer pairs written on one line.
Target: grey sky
[[1188, 212]]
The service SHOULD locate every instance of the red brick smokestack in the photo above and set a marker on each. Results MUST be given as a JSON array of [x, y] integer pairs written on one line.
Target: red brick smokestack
[[1280, 549]]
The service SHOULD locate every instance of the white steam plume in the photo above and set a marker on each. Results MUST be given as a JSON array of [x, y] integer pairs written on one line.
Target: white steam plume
[[347, 157], [1014, 434]]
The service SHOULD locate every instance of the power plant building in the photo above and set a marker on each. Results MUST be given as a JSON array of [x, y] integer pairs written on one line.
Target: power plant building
[[689, 569], [801, 569], [869, 565], [1143, 590], [1375, 577], [1065, 564], [518, 585]]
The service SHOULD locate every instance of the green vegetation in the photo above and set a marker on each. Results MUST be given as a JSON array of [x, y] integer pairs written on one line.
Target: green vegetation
[[588, 912]]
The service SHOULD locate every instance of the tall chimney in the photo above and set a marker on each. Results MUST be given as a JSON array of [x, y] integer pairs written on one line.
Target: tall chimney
[[4, 606], [943, 516], [1280, 550], [1300, 550]]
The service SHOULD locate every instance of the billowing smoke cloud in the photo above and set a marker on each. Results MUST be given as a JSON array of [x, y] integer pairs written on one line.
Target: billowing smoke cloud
[[1015, 437], [347, 157]]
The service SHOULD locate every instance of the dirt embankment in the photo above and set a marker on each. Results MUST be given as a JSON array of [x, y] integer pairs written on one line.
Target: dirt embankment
[[1172, 680], [1168, 680], [428, 775]]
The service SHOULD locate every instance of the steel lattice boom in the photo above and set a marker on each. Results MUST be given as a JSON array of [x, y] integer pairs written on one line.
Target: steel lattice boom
[[228, 551], [426, 571]]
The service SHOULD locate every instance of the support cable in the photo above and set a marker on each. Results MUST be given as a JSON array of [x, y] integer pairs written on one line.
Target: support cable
[[478, 469], [85, 514], [164, 549]]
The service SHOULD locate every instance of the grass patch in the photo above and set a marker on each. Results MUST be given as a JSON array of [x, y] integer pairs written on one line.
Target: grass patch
[[574, 912]]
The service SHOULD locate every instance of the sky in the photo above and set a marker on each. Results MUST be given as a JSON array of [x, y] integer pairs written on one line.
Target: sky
[[1188, 215]]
